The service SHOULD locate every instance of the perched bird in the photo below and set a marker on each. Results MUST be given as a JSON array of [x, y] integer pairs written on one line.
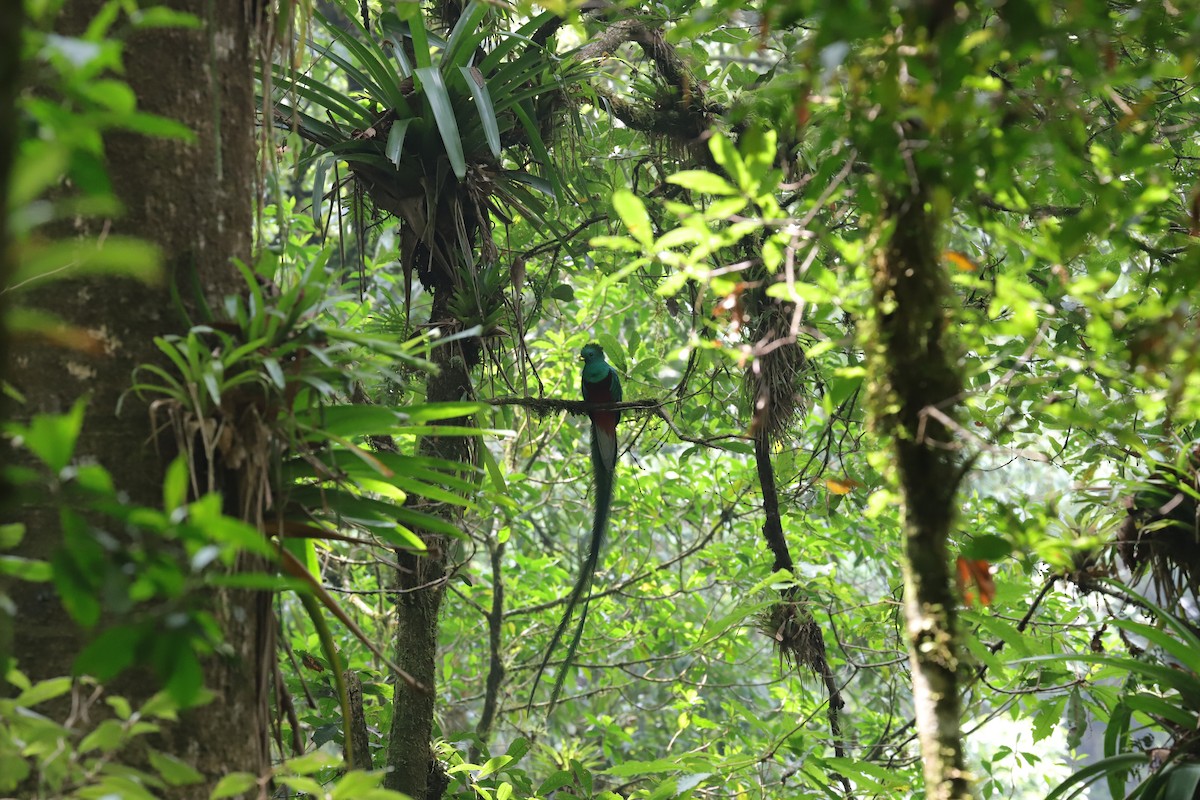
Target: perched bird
[[599, 384]]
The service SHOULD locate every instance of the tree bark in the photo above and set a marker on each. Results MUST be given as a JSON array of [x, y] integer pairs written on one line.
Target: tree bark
[[915, 371], [421, 580], [194, 200], [11, 20]]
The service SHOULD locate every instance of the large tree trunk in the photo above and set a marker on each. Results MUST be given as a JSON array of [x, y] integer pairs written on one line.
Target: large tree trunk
[[195, 201]]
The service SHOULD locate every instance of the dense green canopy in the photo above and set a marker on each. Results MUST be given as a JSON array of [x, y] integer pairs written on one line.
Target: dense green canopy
[[903, 298]]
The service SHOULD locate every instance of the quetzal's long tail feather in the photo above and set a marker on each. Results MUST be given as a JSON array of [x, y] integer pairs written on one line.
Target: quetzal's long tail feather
[[582, 590]]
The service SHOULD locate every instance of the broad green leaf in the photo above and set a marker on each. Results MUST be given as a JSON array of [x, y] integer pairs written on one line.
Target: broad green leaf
[[116, 255], [703, 182], [107, 737], [493, 764], [233, 785], [633, 213], [52, 437], [308, 763], [725, 154], [174, 771], [11, 535], [557, 780], [25, 569], [42, 691]]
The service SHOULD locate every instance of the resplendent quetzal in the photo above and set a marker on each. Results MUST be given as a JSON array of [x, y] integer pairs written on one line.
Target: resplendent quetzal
[[599, 384]]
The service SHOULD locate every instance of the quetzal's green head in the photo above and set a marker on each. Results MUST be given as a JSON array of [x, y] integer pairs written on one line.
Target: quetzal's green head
[[594, 365]]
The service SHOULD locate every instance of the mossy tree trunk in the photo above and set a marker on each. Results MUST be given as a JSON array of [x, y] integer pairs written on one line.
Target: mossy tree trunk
[[421, 581], [194, 200], [917, 383]]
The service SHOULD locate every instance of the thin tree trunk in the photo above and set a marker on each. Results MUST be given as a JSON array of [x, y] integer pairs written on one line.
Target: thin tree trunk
[[915, 371], [194, 200], [421, 581]]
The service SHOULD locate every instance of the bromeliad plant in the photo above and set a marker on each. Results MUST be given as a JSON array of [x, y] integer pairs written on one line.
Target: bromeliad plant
[[442, 133]]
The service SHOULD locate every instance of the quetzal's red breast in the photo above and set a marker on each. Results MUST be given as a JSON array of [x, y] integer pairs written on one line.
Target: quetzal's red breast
[[602, 392]]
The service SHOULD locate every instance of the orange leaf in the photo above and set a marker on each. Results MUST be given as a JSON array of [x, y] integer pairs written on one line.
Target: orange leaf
[[959, 260], [841, 486], [979, 573]]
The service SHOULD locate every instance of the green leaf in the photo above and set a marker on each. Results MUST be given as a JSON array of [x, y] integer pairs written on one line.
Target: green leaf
[[255, 580], [430, 412], [557, 780], [163, 17], [496, 475], [305, 785], [26, 569], [987, 546], [175, 484], [492, 765], [172, 770], [703, 182], [632, 212], [395, 143], [727, 156], [415, 17], [120, 706], [116, 255], [107, 737], [1184, 652], [629, 769], [1182, 782], [42, 691], [477, 86], [318, 191], [541, 154], [435, 90], [185, 678], [233, 784], [368, 65], [39, 166], [1093, 772], [509, 42], [109, 653], [355, 784], [517, 749], [466, 36], [148, 125], [324, 97], [52, 437]]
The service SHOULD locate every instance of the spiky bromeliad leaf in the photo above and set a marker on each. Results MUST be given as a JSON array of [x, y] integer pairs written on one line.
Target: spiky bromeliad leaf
[[465, 37], [318, 192], [510, 41], [395, 142], [322, 95], [483, 101], [384, 84], [434, 86]]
